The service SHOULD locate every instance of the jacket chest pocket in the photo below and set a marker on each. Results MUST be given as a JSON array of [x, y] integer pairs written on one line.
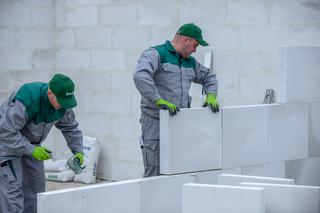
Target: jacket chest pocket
[[189, 74], [168, 74], [36, 132]]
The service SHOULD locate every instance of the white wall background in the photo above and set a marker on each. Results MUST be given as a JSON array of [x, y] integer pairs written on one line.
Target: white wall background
[[98, 42]]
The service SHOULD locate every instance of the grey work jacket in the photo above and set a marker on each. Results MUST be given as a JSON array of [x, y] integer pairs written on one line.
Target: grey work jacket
[[162, 73], [18, 135]]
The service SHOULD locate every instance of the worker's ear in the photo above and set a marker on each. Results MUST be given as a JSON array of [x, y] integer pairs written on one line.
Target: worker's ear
[[49, 92]]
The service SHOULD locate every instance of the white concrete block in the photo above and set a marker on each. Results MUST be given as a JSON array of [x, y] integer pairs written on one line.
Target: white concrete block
[[33, 38], [227, 199], [121, 197], [93, 81], [43, 59], [102, 123], [314, 133], [269, 62], [207, 14], [163, 194], [289, 198], [231, 84], [198, 148], [62, 201], [109, 15], [83, 106], [85, 16], [113, 169], [42, 16], [122, 82], [260, 81], [244, 145], [224, 38], [82, 2], [159, 14], [4, 37], [229, 179], [40, 3], [264, 38], [118, 106], [108, 60], [93, 37], [22, 76], [15, 59], [158, 35], [60, 16], [247, 12], [295, 59], [139, 38], [268, 170], [304, 35], [287, 132], [305, 172], [72, 59], [65, 38], [126, 127], [6, 82], [294, 12], [14, 15], [235, 61], [211, 177], [128, 149]]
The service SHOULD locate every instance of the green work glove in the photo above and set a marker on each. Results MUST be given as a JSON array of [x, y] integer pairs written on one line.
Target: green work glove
[[212, 102], [163, 104], [79, 155], [41, 153]]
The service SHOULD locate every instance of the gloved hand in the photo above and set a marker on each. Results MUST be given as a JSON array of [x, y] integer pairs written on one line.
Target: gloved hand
[[79, 155], [41, 153], [212, 102], [163, 104]]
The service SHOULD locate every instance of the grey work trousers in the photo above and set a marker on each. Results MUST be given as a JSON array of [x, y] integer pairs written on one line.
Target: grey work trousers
[[150, 145], [19, 185]]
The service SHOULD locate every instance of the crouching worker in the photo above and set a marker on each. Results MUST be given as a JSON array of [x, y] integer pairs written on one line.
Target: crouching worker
[[26, 118]]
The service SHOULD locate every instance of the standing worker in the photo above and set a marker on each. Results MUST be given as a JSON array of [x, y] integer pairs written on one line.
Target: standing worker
[[26, 118], [163, 77]]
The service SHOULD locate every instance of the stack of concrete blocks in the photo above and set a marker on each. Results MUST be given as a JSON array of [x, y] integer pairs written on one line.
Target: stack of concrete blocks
[[256, 194], [155, 194], [301, 77], [276, 195]]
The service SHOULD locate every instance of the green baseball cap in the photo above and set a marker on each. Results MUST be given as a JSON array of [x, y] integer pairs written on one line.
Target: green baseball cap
[[193, 31], [63, 87]]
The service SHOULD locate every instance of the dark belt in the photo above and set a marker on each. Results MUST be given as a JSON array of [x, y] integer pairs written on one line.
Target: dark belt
[[4, 164], [9, 163]]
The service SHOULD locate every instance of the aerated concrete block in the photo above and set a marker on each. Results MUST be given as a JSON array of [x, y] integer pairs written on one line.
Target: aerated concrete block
[[120, 197], [287, 132], [244, 136], [277, 170], [229, 179], [305, 172], [190, 141], [314, 133], [227, 199], [62, 201], [163, 193], [211, 177], [300, 74], [289, 198]]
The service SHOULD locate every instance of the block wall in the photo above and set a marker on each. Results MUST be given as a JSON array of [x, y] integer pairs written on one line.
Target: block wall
[[98, 43]]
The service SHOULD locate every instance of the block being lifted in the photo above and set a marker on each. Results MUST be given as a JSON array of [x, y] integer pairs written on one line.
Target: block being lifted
[[190, 141]]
